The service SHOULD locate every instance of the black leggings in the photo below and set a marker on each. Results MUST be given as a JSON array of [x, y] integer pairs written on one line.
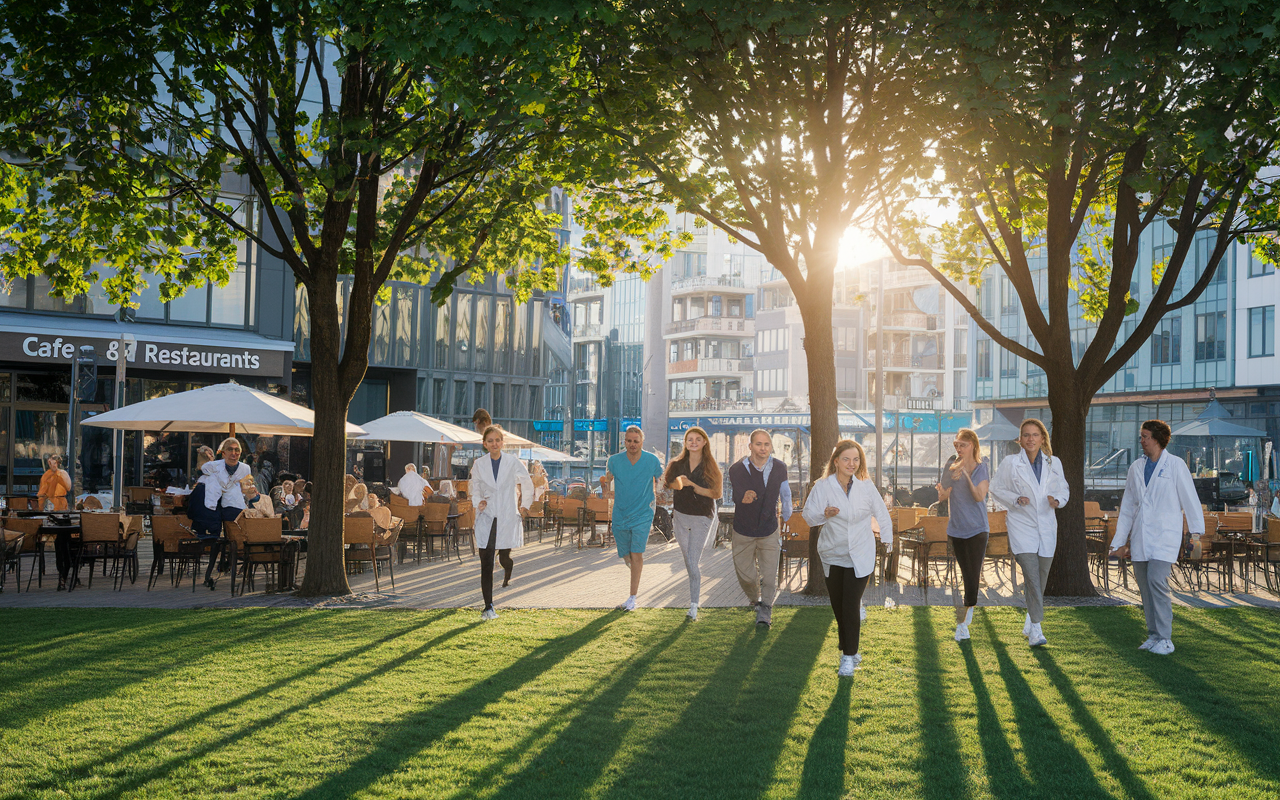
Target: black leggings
[[486, 565], [846, 591], [969, 554]]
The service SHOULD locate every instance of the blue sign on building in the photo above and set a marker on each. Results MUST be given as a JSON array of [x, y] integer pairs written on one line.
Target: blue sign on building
[[548, 425], [627, 422], [585, 425]]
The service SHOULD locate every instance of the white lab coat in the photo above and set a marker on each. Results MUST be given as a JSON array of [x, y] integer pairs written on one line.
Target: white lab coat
[[411, 487], [500, 499], [1033, 528], [846, 540], [1150, 520]]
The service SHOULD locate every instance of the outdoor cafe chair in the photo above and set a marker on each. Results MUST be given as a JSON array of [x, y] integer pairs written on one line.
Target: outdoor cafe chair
[[794, 546], [599, 510], [571, 513], [32, 545], [535, 516], [412, 525], [100, 540], [998, 549], [436, 529], [1197, 561], [176, 546], [933, 549], [10, 547], [365, 545], [1268, 555], [465, 526]]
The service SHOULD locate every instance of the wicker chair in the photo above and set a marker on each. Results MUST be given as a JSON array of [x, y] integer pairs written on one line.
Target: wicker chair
[[10, 547], [934, 548], [174, 544], [32, 546], [795, 533], [364, 544], [436, 528], [100, 540]]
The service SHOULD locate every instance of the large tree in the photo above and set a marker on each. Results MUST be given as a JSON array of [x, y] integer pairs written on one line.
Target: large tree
[[1071, 129], [780, 123], [387, 140]]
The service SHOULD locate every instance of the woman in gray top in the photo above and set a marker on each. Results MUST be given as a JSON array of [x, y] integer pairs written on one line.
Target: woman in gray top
[[964, 486]]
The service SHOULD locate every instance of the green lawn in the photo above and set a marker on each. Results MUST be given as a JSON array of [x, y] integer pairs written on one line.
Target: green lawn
[[555, 704]]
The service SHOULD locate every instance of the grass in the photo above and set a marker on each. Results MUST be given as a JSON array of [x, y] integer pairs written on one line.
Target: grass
[[564, 704]]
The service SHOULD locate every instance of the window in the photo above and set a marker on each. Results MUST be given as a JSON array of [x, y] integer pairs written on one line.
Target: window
[[442, 337], [484, 305], [735, 308], [501, 348], [1008, 297], [460, 406], [983, 359], [380, 341], [499, 409], [462, 334], [1008, 364], [403, 344], [440, 397], [1211, 336], [675, 353], [1258, 267], [697, 307], [961, 348], [716, 305], [1262, 331], [1166, 342]]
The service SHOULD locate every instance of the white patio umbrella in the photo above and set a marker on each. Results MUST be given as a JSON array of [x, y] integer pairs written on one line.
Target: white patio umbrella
[[222, 408], [548, 455], [410, 426]]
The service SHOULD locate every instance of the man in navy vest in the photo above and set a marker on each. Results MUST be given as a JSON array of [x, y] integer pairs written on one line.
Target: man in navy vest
[[759, 483]]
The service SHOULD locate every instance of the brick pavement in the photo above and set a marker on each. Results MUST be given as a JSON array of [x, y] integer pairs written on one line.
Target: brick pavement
[[548, 577]]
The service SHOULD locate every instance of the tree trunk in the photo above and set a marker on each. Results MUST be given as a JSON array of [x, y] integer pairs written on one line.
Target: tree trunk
[[326, 573], [1069, 576], [824, 424]]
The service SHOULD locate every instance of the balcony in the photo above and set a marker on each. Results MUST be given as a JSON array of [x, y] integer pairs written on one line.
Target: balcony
[[915, 320], [579, 285], [702, 283], [914, 276], [709, 404], [715, 366], [588, 331], [903, 361], [732, 325]]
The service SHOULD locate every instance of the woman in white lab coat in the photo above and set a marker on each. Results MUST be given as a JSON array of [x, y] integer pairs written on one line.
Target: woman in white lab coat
[[1158, 493], [1032, 487], [499, 524], [843, 502]]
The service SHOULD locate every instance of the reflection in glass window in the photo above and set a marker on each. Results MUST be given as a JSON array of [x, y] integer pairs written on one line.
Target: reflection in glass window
[[404, 327], [45, 301], [442, 336], [484, 306], [462, 334], [381, 333], [227, 303], [13, 294], [501, 346], [439, 397], [37, 435], [192, 306], [499, 409], [520, 336], [301, 324], [535, 341], [460, 399]]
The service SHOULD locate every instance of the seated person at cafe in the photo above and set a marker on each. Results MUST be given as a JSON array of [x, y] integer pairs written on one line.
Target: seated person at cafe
[[256, 504], [413, 487], [358, 499], [54, 485], [445, 494]]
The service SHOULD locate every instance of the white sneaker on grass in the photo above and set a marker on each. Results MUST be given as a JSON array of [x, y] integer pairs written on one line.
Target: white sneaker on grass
[[630, 605], [848, 664], [1149, 643], [693, 613], [1163, 647], [1036, 637], [1026, 625], [962, 632], [488, 614]]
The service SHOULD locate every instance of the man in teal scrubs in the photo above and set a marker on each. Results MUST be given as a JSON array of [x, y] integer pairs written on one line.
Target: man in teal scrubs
[[634, 474]]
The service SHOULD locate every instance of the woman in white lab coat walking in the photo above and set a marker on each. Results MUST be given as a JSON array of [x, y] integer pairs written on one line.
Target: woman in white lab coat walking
[[843, 502], [499, 513], [1159, 492], [1032, 487]]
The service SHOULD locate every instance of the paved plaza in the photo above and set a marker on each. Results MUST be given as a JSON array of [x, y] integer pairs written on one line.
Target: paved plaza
[[547, 576]]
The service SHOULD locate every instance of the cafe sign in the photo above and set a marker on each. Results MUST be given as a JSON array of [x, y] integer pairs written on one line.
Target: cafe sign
[[214, 359]]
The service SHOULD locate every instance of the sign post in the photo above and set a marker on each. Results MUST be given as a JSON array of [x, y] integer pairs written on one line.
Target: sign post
[[123, 352]]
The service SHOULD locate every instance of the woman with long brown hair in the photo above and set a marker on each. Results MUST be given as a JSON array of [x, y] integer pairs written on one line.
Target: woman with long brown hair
[[964, 487], [695, 479], [843, 502]]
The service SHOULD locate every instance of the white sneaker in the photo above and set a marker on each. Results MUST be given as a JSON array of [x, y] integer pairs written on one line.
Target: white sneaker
[[1149, 643], [693, 613], [848, 664], [862, 613], [1036, 636], [1026, 625], [488, 614], [630, 605], [962, 632], [1163, 647]]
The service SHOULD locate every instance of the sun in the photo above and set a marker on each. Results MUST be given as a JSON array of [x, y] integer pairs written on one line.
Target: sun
[[858, 247]]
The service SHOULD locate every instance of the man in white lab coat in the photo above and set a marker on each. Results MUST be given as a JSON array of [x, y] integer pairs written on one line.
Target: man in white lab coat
[[1159, 491]]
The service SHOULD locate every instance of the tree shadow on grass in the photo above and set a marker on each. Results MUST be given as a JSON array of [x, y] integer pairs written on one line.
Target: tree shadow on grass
[[1245, 730], [426, 726], [942, 771], [824, 769], [1238, 644], [161, 769], [164, 649], [1004, 775], [307, 670], [579, 753], [1116, 764], [727, 740], [1057, 768]]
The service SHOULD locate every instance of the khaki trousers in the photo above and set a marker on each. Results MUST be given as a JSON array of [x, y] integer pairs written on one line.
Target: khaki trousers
[[755, 559]]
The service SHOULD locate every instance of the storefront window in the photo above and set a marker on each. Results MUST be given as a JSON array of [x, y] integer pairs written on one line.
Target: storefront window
[[404, 327], [501, 346], [45, 301], [37, 435], [4, 388], [164, 459], [44, 387], [460, 399], [520, 333], [301, 324], [381, 334], [4, 448], [439, 397], [192, 306]]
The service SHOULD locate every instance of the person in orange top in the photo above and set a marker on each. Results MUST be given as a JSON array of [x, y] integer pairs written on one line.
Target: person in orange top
[[54, 485]]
